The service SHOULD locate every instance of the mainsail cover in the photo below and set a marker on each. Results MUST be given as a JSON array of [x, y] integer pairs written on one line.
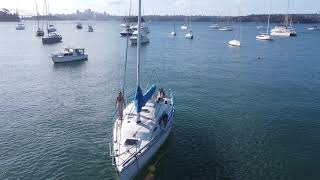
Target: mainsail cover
[[141, 100]]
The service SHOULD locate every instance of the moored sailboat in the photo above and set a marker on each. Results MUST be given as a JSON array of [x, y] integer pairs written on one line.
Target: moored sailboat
[[142, 127], [39, 31], [51, 38], [265, 36]]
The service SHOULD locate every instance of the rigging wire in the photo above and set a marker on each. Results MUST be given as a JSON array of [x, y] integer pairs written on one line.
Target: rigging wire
[[127, 48]]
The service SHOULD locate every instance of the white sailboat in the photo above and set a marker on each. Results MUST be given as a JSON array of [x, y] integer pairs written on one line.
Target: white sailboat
[[143, 37], [184, 27], [190, 34], [227, 27], [173, 33], [145, 126], [314, 27], [215, 26], [265, 36], [20, 26], [284, 30], [236, 42]]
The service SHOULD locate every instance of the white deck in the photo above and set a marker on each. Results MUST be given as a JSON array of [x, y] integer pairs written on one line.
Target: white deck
[[147, 132]]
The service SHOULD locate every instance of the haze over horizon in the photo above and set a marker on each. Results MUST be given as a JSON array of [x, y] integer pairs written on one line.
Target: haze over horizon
[[165, 7]]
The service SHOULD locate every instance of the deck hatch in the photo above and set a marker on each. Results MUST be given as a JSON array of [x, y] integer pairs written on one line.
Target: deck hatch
[[131, 142]]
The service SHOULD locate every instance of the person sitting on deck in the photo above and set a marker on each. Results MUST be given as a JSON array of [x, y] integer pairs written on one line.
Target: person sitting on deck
[[161, 94], [120, 105]]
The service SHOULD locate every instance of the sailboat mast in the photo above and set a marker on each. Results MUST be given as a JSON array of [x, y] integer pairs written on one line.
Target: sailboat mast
[[45, 2], [138, 45], [37, 13], [268, 24]]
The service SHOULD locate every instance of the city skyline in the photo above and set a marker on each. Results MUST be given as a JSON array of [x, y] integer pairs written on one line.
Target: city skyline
[[178, 7]]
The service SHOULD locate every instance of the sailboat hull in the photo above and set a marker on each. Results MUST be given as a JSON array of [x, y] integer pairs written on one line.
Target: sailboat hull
[[140, 162], [264, 37], [51, 40], [39, 33]]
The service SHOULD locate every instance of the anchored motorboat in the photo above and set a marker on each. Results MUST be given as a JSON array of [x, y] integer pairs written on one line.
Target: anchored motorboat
[[284, 30], [90, 29], [235, 43], [214, 26], [145, 125], [70, 54], [143, 37], [20, 27], [314, 28], [143, 28], [189, 35], [280, 30], [79, 25], [184, 27], [225, 28], [127, 31]]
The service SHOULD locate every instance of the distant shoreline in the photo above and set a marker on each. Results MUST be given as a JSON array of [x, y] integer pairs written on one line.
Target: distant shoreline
[[275, 18]]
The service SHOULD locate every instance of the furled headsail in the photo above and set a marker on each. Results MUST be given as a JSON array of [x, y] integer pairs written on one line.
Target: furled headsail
[[141, 100]]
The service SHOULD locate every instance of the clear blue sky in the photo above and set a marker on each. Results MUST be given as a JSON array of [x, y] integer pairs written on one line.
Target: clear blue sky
[[208, 7]]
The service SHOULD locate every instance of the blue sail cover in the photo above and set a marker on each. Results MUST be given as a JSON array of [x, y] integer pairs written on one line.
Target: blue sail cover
[[141, 100]]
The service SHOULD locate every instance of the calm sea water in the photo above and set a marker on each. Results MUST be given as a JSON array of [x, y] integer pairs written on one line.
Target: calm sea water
[[238, 117]]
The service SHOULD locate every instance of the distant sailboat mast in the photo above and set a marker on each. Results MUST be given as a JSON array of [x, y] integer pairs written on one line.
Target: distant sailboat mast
[[37, 14]]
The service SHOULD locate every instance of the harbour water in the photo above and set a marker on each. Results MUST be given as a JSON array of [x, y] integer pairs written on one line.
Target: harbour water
[[237, 116]]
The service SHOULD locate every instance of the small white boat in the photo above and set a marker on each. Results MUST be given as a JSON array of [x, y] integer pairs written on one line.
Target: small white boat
[[20, 27], [143, 39], [225, 28], [90, 29], [314, 28], [214, 26], [51, 28], [234, 43], [69, 55], [184, 27], [264, 37], [143, 28], [189, 35], [127, 31], [260, 27]]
